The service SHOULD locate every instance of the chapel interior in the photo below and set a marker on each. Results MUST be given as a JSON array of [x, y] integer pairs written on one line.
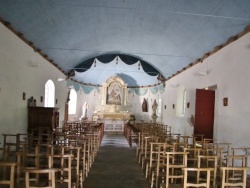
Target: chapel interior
[[124, 93]]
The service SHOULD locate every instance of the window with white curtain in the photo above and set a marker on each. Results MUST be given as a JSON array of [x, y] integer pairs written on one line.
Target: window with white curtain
[[49, 100], [72, 101], [159, 109]]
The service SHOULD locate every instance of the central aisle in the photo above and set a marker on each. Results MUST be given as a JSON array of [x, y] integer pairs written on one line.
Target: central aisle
[[115, 166]]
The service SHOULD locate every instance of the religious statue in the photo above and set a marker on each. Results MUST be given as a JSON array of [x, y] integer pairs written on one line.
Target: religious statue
[[144, 105], [84, 115], [154, 108]]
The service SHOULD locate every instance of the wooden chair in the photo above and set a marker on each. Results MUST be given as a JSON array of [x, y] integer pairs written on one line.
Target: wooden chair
[[63, 163], [198, 137], [147, 149], [175, 162], [10, 147], [141, 146], [191, 182], [187, 141], [228, 178], [153, 159], [193, 153], [8, 173], [236, 161], [89, 156], [241, 151], [208, 162], [82, 160], [225, 151], [75, 151], [30, 161], [50, 183], [159, 173]]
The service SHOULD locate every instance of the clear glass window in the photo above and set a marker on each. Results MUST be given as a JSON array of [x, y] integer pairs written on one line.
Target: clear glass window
[[49, 100], [72, 101]]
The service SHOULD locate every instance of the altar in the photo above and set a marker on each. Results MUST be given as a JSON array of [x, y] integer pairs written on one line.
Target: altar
[[114, 121], [113, 107]]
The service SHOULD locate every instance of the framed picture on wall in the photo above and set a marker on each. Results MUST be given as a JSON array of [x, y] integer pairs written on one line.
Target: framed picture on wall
[[114, 92]]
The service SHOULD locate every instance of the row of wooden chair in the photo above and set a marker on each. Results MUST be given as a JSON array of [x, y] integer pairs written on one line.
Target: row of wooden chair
[[158, 150], [65, 154]]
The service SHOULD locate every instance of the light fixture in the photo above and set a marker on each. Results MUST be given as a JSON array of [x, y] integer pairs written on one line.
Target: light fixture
[[60, 79], [34, 64], [94, 63], [117, 60], [139, 65]]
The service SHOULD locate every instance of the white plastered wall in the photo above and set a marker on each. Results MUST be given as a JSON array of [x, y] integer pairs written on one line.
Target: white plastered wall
[[229, 70], [17, 76]]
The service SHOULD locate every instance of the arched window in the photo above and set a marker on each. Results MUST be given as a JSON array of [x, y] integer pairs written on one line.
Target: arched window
[[159, 109], [49, 100], [184, 101], [72, 101], [181, 101]]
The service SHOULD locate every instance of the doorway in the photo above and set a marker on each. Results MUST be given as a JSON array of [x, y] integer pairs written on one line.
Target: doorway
[[204, 113]]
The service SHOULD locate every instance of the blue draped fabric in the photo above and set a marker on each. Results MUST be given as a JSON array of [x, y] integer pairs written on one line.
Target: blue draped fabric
[[161, 88], [76, 87], [88, 89], [70, 83], [154, 90], [141, 91], [107, 58]]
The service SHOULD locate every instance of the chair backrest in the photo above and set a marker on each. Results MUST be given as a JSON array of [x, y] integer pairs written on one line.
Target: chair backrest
[[64, 161], [50, 182], [193, 154], [155, 149], [237, 160], [7, 167], [190, 171], [208, 162], [30, 160], [225, 151], [175, 162], [228, 177]]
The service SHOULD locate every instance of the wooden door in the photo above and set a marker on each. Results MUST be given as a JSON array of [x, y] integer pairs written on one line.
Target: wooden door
[[204, 113]]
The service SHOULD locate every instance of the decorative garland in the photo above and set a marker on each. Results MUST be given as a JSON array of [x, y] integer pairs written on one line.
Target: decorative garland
[[87, 89]]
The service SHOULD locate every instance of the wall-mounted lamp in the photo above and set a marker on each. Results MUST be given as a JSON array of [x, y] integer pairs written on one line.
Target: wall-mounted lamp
[[24, 96], [41, 99], [225, 101], [165, 107], [173, 106], [188, 104]]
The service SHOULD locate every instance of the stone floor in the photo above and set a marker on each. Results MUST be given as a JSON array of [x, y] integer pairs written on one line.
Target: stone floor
[[115, 166]]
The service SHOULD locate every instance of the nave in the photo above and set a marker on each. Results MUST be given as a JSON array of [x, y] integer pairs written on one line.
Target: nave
[[116, 165], [115, 160]]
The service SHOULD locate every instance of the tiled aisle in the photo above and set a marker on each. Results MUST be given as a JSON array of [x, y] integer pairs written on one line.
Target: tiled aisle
[[115, 166]]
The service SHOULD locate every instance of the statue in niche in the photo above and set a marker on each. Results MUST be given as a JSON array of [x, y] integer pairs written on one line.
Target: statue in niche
[[84, 115], [114, 93], [154, 108], [145, 105]]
